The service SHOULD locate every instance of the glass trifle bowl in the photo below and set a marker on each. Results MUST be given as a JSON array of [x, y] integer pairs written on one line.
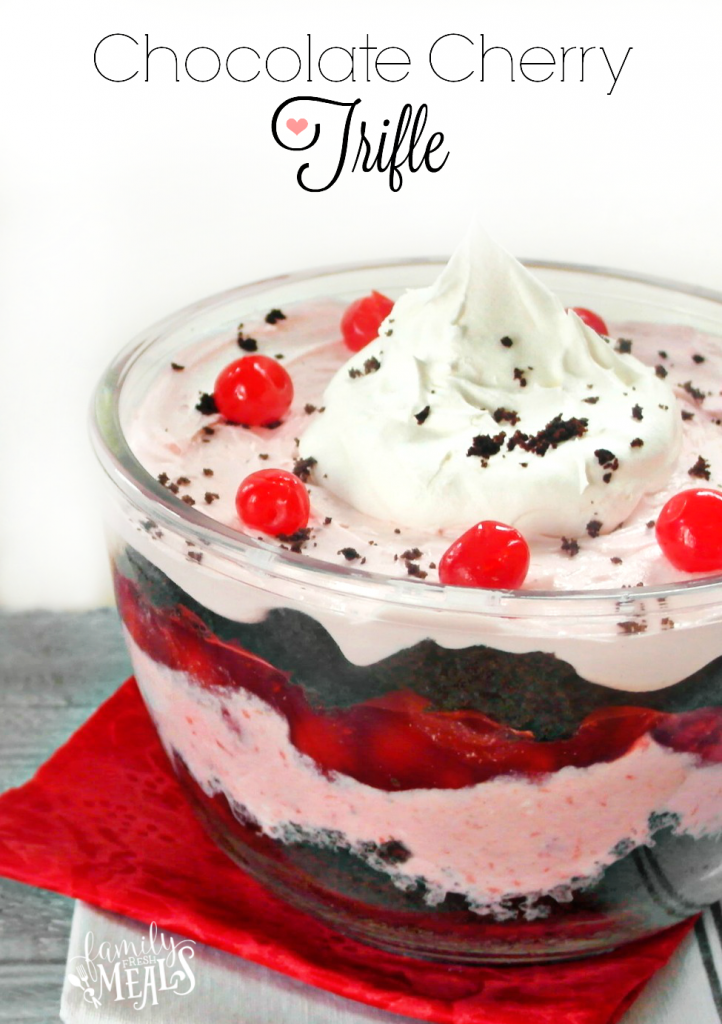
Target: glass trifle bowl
[[456, 774]]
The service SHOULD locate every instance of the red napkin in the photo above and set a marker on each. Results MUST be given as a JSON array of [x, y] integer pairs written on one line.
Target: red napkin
[[105, 821]]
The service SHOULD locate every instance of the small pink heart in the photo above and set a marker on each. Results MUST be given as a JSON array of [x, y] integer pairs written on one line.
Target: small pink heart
[[297, 126]]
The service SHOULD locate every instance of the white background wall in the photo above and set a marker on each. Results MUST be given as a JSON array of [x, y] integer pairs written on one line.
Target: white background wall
[[120, 203]]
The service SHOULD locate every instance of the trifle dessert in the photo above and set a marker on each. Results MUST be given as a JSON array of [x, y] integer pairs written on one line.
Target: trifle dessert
[[418, 567]]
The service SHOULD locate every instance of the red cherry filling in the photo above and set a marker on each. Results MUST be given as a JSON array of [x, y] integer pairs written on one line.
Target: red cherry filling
[[591, 319], [254, 390], [361, 321], [273, 501], [689, 530], [489, 555]]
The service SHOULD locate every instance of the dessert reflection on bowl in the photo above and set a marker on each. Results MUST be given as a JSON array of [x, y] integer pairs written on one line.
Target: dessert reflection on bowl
[[321, 503]]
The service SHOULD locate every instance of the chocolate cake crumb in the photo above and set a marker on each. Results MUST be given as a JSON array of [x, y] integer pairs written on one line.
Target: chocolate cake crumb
[[177, 366], [592, 400], [209, 431], [173, 488], [432, 565], [662, 354], [393, 851], [297, 539], [397, 530], [570, 546], [247, 344], [274, 316], [207, 472], [502, 415], [594, 527], [692, 391], [210, 497], [186, 498], [631, 626], [327, 521], [615, 560], [667, 623], [163, 478], [660, 371], [553, 434], [271, 426], [415, 570], [370, 366], [651, 524], [519, 375], [263, 455], [507, 342], [412, 554], [700, 469], [207, 404], [484, 445], [421, 417], [183, 481], [350, 554], [697, 358], [624, 345], [302, 467], [605, 457], [606, 477], [637, 412], [279, 355], [309, 408], [637, 442], [195, 556]]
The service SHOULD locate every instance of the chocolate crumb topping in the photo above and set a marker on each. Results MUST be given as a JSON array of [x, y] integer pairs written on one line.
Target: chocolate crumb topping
[[263, 455], [667, 623], [692, 391], [651, 524], [210, 497], [302, 467], [432, 565], [553, 434], [309, 408], [207, 472], [297, 539], [270, 426], [279, 355], [370, 366], [195, 556], [173, 488], [209, 431], [519, 375], [606, 458], [177, 366], [631, 626], [624, 345], [207, 404], [660, 371], [637, 442], [163, 478], [606, 477], [662, 354], [637, 412], [615, 560], [700, 469], [421, 417], [484, 445], [247, 344], [502, 415], [327, 521], [687, 415], [350, 554], [183, 481], [393, 851], [397, 530], [413, 554], [594, 527], [592, 400], [415, 570], [274, 316], [186, 498], [697, 358], [570, 546], [507, 342]]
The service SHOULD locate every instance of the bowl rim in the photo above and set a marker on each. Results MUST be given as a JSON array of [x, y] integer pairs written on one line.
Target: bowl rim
[[129, 475]]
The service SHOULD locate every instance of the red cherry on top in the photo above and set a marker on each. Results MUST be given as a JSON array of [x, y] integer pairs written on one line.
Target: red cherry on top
[[361, 321], [254, 390], [273, 501], [591, 319], [490, 554], [689, 530]]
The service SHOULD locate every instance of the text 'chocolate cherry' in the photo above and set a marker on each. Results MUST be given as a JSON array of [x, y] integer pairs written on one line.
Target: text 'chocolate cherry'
[[689, 530], [361, 321], [273, 501], [490, 554], [255, 390], [591, 319]]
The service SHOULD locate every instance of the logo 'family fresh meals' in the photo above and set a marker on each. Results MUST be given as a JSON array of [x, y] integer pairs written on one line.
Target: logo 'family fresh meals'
[[137, 972]]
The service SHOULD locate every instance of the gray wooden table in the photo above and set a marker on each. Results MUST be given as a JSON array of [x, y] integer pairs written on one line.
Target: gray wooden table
[[54, 670]]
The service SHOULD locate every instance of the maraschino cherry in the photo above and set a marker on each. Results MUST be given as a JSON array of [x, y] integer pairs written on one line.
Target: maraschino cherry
[[490, 554], [255, 390], [689, 530], [273, 501], [591, 319], [361, 321]]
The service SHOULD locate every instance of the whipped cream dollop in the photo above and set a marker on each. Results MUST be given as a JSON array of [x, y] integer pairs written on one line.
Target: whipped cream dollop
[[483, 398]]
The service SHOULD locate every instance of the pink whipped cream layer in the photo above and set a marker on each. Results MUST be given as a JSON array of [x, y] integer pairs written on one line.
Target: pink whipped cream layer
[[489, 842], [169, 436]]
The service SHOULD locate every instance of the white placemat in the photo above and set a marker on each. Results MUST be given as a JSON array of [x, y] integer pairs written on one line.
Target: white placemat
[[205, 985]]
